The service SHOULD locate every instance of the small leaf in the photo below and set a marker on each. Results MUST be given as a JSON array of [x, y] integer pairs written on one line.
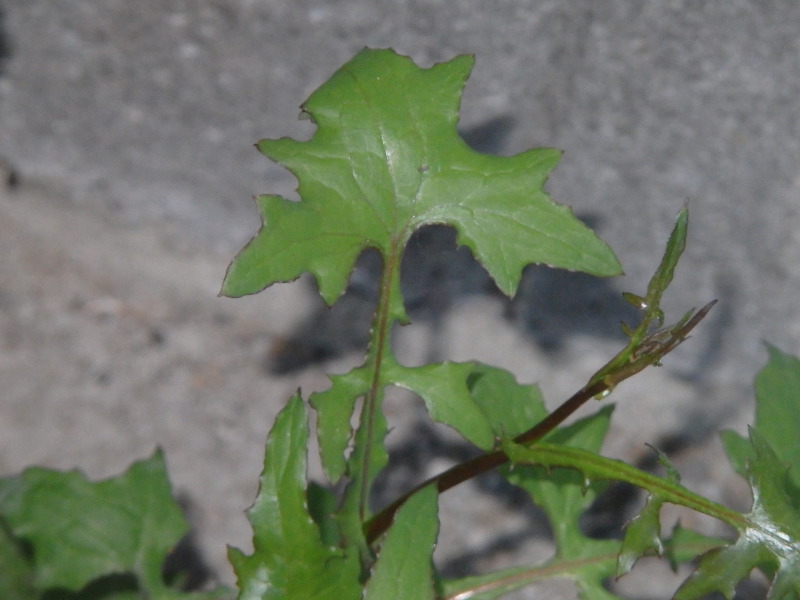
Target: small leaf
[[642, 536], [81, 530], [722, 568], [404, 568], [666, 269], [443, 387], [635, 300], [643, 533], [738, 449], [290, 560], [649, 341], [511, 408], [335, 408]]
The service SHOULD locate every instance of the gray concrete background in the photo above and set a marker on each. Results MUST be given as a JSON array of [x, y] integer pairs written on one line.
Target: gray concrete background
[[131, 128]]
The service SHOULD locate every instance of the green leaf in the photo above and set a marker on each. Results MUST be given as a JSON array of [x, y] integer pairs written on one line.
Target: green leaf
[[777, 388], [404, 568], [443, 387], [511, 408], [17, 571], [770, 541], [685, 545], [385, 160], [643, 532], [666, 268], [322, 504], [564, 494], [738, 449], [649, 342], [769, 459], [290, 560], [367, 458], [642, 536], [81, 530], [334, 408]]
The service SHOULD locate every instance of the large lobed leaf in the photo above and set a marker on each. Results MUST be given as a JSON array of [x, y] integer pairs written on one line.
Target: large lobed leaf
[[385, 160], [81, 530]]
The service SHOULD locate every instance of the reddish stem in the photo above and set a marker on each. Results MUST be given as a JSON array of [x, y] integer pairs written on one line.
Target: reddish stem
[[461, 472]]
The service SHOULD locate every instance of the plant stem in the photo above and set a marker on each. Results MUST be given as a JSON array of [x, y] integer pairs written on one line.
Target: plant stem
[[485, 462], [379, 340], [517, 577], [594, 466], [601, 383]]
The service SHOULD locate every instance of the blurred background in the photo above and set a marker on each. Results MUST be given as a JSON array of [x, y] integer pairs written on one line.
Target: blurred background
[[126, 153]]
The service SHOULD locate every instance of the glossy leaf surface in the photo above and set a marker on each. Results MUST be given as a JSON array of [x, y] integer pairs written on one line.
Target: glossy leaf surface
[[385, 160], [770, 461], [770, 541]]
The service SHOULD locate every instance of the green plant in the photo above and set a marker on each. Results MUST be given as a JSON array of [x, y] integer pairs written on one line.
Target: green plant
[[384, 161]]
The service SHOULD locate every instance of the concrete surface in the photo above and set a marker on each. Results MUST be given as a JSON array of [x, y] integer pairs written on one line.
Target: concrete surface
[[130, 126]]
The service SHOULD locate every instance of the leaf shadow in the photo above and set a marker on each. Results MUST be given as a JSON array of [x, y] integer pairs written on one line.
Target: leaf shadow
[[411, 457], [5, 42], [550, 307]]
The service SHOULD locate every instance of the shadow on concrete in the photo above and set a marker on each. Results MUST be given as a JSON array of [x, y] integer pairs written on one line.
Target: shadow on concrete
[[5, 42], [550, 307]]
